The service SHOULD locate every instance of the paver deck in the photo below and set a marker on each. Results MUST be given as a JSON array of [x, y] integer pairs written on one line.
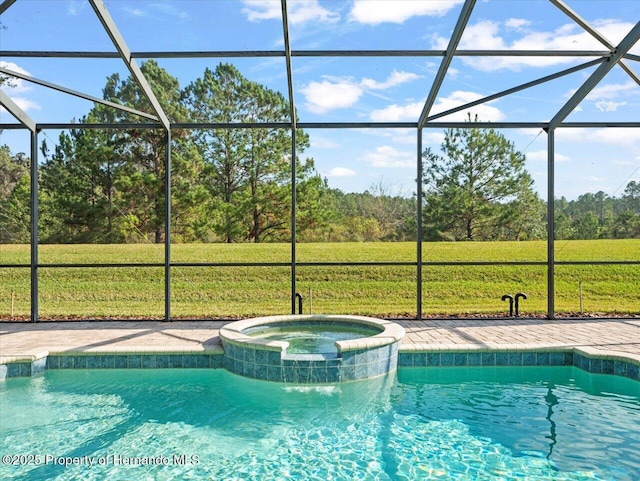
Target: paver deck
[[616, 337]]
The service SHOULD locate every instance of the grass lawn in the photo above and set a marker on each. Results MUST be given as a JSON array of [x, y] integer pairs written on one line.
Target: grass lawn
[[204, 292]]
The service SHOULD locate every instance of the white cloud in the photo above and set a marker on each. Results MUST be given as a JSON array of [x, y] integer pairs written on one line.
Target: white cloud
[[73, 7], [572, 34], [572, 135], [402, 137], [541, 156], [397, 113], [432, 67], [169, 9], [490, 35], [396, 78], [257, 10], [398, 136], [342, 92], [517, 23], [432, 138], [626, 163], [17, 85], [594, 178], [387, 156], [480, 36], [608, 106], [412, 111], [136, 12], [341, 172], [612, 91], [560, 158], [26, 104], [618, 136], [298, 12], [157, 8], [532, 132], [328, 95], [301, 12], [374, 12], [485, 112], [453, 72], [604, 95]]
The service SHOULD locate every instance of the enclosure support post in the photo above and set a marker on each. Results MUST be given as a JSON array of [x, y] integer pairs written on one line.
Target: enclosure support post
[[419, 224], [293, 221], [167, 229], [550, 224], [294, 127], [34, 225]]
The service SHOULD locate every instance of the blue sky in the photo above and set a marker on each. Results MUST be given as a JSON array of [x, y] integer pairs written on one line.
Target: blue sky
[[360, 89]]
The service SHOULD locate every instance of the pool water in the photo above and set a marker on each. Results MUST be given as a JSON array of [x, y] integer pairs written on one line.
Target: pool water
[[315, 338], [423, 423]]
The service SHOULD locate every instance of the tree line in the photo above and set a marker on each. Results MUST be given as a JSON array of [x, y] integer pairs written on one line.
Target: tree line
[[600, 216], [234, 185]]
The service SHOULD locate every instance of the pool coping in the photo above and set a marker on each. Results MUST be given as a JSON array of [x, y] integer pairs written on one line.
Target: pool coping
[[588, 359]]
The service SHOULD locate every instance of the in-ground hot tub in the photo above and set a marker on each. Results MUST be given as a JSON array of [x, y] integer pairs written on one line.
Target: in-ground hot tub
[[310, 349]]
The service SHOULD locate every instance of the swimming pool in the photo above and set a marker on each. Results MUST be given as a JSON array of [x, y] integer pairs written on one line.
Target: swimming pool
[[547, 423]]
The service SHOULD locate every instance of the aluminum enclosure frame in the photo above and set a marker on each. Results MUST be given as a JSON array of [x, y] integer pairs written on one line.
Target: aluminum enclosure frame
[[605, 59]]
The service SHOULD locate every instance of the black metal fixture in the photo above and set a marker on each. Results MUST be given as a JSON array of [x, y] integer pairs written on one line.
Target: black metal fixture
[[518, 296], [299, 297], [504, 298]]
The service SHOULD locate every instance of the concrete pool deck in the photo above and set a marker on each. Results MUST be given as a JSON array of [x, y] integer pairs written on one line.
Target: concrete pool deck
[[617, 338]]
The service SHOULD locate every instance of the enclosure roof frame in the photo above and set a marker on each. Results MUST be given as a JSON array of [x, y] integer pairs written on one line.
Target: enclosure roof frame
[[625, 44], [608, 57], [15, 110], [595, 34], [602, 60], [112, 30], [454, 40]]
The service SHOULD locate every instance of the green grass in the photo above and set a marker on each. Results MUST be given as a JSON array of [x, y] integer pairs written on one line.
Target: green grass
[[204, 292]]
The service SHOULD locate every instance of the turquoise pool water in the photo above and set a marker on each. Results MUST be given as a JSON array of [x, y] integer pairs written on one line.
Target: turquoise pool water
[[423, 423], [306, 337]]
